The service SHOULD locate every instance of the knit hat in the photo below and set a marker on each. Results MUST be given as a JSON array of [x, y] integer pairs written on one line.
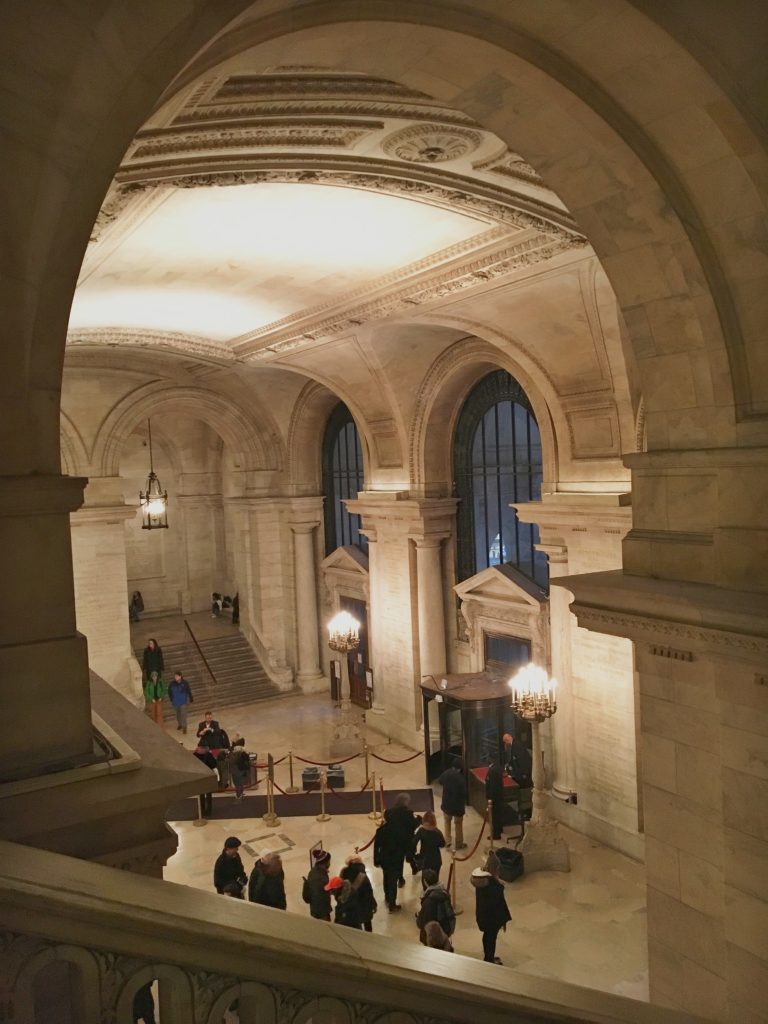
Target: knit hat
[[232, 843], [334, 884], [320, 856]]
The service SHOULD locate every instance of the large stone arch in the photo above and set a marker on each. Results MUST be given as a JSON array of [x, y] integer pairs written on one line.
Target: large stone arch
[[74, 455], [439, 401], [613, 154], [239, 430]]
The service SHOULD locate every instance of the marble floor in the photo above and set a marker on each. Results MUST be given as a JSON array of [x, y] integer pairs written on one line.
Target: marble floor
[[587, 927]]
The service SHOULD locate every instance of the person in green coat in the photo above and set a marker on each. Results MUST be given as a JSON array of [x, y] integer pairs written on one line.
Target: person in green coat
[[154, 692]]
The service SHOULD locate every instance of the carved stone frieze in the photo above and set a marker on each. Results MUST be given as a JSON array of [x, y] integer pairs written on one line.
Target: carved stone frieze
[[510, 165], [294, 133], [431, 143], [314, 84], [122, 337]]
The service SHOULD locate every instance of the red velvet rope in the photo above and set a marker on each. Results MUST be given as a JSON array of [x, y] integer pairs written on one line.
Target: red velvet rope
[[347, 796], [278, 761], [326, 764], [450, 879], [361, 848], [474, 848], [401, 761]]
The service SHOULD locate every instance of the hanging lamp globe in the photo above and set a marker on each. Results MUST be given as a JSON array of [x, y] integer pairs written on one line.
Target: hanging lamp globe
[[154, 500]]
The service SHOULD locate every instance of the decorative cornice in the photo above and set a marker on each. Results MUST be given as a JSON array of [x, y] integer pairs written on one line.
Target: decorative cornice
[[431, 143], [124, 337], [414, 294], [510, 165]]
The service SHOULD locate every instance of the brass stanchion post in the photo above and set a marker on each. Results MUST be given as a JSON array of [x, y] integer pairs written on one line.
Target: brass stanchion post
[[381, 790], [367, 771], [270, 818], [322, 816], [456, 908], [489, 806], [374, 814], [291, 788]]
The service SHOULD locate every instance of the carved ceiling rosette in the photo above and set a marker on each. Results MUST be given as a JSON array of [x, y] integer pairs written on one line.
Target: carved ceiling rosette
[[431, 143]]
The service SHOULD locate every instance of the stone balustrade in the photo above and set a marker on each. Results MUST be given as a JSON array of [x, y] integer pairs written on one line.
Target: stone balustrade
[[71, 930]]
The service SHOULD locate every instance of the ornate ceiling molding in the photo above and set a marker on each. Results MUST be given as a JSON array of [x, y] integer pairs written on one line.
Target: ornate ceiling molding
[[510, 165], [431, 143], [170, 341], [415, 294]]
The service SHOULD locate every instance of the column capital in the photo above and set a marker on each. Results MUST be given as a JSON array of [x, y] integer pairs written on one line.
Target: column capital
[[39, 495], [303, 527]]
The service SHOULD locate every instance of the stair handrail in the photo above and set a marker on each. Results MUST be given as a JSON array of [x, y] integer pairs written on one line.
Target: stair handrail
[[211, 673]]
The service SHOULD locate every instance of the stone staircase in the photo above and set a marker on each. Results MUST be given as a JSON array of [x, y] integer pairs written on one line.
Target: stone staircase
[[240, 677]]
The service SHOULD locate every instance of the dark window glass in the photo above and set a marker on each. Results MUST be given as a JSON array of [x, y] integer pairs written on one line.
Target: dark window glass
[[497, 462], [342, 478]]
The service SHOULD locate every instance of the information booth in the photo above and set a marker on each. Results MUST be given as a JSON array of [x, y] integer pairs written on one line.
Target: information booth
[[465, 715]]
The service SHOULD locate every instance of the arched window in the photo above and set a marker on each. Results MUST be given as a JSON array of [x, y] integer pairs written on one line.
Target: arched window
[[497, 461], [342, 478]]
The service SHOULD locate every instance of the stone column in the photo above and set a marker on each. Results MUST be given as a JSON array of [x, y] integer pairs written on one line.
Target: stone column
[[377, 707], [431, 606], [44, 683], [309, 677], [101, 591]]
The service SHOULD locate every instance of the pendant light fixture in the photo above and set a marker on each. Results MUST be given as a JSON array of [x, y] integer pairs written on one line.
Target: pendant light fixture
[[153, 501]]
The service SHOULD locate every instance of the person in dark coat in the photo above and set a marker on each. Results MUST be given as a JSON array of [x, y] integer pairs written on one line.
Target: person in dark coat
[[206, 799], [454, 802], [348, 911], [152, 660], [236, 609], [144, 1005], [228, 869], [354, 872], [405, 823], [429, 841], [211, 735], [494, 791], [388, 855], [518, 762], [317, 880], [435, 906], [135, 606], [491, 910], [267, 882]]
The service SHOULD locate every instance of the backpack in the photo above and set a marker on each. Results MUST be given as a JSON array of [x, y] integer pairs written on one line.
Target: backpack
[[306, 892], [446, 916]]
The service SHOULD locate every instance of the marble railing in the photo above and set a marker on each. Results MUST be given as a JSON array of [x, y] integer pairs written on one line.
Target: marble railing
[[73, 931]]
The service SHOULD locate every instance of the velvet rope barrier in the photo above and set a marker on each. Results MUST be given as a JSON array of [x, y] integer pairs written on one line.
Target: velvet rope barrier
[[278, 761], [347, 796], [325, 764], [474, 848], [401, 761], [450, 879], [359, 849]]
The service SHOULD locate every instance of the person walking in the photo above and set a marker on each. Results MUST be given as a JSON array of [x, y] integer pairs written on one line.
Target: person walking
[[454, 802], [315, 892], [229, 875], [152, 661], [239, 766], [429, 841], [348, 911], [491, 910], [154, 692], [267, 882], [404, 822], [180, 696], [435, 906], [388, 855], [354, 872]]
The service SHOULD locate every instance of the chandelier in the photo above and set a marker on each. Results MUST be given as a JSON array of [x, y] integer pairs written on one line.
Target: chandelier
[[533, 694], [154, 500], [343, 633]]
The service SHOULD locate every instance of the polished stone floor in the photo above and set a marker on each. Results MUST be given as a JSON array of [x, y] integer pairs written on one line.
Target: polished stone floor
[[587, 927]]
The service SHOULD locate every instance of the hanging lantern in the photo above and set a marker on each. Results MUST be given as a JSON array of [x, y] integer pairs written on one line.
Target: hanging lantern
[[153, 501]]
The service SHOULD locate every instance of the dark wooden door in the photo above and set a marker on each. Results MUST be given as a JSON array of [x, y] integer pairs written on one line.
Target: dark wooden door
[[358, 660]]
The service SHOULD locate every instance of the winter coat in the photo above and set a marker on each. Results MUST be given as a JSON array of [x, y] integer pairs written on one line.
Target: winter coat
[[179, 693], [152, 661], [388, 846], [430, 841], [267, 886], [454, 801], [491, 910], [494, 784], [357, 876], [348, 907], [436, 906], [404, 823], [154, 691], [319, 900], [228, 869]]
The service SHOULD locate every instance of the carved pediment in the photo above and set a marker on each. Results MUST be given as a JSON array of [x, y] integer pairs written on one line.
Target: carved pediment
[[348, 559], [502, 585]]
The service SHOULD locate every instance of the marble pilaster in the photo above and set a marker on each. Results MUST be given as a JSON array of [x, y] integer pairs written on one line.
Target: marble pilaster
[[308, 676]]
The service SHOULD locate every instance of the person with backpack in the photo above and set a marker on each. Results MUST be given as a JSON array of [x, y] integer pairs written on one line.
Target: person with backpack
[[314, 891], [239, 766], [435, 906], [491, 910], [354, 872]]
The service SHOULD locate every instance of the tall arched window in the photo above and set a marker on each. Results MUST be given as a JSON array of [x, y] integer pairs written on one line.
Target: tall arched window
[[342, 478], [497, 461]]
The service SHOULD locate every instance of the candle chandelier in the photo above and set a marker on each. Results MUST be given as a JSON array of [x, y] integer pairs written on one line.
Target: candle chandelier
[[154, 500]]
